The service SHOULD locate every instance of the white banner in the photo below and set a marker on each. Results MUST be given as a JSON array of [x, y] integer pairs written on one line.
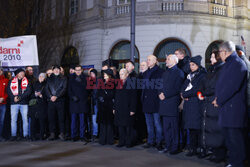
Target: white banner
[[18, 51]]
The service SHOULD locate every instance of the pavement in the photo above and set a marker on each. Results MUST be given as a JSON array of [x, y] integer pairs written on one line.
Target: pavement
[[76, 154]]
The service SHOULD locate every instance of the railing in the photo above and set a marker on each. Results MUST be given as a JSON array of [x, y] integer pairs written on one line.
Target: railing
[[172, 6], [218, 9], [123, 9]]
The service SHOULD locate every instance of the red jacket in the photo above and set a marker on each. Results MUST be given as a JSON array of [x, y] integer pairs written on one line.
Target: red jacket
[[3, 88]]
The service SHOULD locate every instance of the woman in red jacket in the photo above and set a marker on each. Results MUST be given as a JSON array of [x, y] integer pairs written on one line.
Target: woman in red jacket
[[3, 99]]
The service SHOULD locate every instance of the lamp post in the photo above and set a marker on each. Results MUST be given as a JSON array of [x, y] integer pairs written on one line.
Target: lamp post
[[132, 31]]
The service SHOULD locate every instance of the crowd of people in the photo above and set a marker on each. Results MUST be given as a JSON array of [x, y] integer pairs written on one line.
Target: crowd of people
[[183, 107]]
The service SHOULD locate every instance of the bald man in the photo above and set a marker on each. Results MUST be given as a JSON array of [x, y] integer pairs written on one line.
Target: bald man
[[170, 99], [150, 103]]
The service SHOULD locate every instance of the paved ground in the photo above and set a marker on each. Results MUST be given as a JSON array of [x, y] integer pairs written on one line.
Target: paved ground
[[76, 154]]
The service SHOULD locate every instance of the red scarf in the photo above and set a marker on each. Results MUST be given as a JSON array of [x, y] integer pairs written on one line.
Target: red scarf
[[14, 85]]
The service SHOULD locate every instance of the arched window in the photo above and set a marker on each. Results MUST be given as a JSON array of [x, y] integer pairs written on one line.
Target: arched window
[[121, 52], [211, 46], [70, 57], [168, 46]]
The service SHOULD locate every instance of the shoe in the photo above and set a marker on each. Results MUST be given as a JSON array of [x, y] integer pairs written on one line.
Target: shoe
[[51, 137], [129, 146], [32, 139], [174, 152], [2, 139], [147, 145], [120, 145], [61, 136], [94, 138], [190, 153], [165, 150], [159, 147], [13, 138], [202, 155], [85, 139], [229, 165], [74, 139]]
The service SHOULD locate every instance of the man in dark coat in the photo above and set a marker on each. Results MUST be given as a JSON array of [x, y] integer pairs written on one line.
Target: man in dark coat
[[184, 60], [124, 111], [230, 93], [55, 90], [130, 67], [169, 101], [19, 90], [150, 102], [192, 106], [78, 96], [183, 64], [140, 123]]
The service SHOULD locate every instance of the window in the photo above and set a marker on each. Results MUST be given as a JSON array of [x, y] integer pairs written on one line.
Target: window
[[168, 46], [70, 57], [121, 52], [73, 7]]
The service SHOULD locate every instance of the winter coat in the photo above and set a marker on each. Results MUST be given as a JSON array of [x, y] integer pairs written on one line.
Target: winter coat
[[125, 102], [41, 104], [78, 94], [105, 104], [3, 89], [192, 107], [244, 58], [172, 81], [150, 99], [56, 86], [231, 93], [184, 65], [211, 136], [24, 96]]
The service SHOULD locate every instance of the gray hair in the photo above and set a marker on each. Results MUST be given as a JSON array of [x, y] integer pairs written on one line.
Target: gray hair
[[43, 75], [229, 46], [173, 56], [124, 70]]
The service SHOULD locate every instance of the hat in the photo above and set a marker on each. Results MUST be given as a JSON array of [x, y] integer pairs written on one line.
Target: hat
[[56, 66], [72, 66], [111, 63], [108, 72], [196, 60], [19, 70], [240, 48], [94, 71]]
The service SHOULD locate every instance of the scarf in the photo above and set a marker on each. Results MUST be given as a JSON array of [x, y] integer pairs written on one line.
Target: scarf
[[14, 85], [190, 78]]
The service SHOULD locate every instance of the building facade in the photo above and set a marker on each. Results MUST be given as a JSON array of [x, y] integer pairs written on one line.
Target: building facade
[[90, 31]]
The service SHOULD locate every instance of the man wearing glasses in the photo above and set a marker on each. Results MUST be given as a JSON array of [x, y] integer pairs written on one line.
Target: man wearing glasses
[[230, 97]]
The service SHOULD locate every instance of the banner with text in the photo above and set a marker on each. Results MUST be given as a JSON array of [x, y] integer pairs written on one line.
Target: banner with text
[[18, 51]]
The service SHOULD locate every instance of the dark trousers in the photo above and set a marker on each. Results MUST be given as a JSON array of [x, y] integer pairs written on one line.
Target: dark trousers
[[37, 116], [235, 144], [106, 135], [56, 108], [125, 135], [74, 124], [171, 130], [194, 138]]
